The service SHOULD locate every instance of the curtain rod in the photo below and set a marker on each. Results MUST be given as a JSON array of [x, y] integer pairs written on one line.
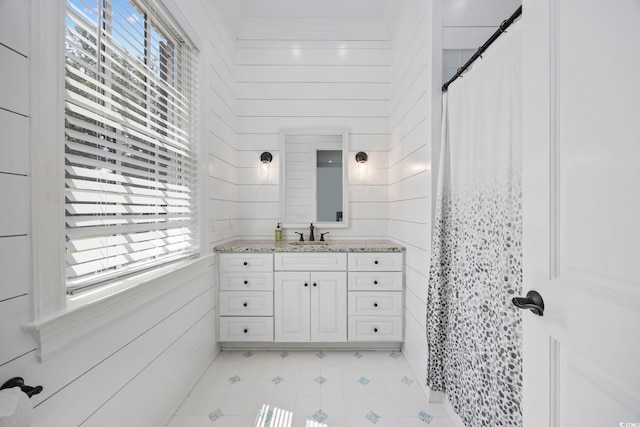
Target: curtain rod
[[503, 27]]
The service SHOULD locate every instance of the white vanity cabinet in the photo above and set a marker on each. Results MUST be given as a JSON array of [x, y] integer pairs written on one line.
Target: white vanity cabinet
[[310, 302], [246, 297], [375, 296], [275, 295]]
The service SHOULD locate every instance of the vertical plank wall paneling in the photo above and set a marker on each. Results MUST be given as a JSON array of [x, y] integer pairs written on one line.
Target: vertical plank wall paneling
[[138, 370], [312, 84], [410, 158]]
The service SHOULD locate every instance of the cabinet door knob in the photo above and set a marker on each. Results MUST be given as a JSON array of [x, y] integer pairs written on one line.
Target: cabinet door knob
[[375, 262], [306, 284], [315, 284], [375, 304], [375, 329], [246, 263], [375, 282], [246, 282], [245, 304], [245, 330]]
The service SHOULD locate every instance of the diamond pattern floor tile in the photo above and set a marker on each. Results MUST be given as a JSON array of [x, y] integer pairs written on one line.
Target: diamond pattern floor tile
[[334, 388]]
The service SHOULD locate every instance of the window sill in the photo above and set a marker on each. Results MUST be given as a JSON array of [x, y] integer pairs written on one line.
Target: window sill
[[88, 311]]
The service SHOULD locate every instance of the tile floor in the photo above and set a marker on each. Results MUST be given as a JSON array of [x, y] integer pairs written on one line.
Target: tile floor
[[334, 388]]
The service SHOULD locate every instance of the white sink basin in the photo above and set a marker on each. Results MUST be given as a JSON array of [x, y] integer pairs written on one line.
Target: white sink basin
[[298, 243]]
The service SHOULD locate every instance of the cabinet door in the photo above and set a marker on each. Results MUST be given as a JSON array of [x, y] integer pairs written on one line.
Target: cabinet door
[[328, 306], [291, 306]]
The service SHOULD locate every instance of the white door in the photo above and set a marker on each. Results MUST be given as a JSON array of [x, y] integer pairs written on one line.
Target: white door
[[328, 306], [581, 207], [291, 306]]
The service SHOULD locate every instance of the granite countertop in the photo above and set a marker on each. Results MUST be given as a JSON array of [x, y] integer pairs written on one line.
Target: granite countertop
[[294, 246]]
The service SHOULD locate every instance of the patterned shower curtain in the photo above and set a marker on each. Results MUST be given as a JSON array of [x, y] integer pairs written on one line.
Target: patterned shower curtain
[[474, 333]]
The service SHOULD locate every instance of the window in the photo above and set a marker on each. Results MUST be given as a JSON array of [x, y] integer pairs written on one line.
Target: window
[[131, 193]]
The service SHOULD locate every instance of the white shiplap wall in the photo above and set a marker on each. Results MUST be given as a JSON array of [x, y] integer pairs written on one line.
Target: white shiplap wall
[[249, 92], [16, 294], [221, 125], [312, 84], [412, 120], [138, 369]]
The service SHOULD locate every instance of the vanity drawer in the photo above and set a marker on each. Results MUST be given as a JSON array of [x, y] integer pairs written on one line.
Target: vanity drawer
[[246, 303], [246, 262], [246, 329], [375, 303], [373, 328], [375, 281], [375, 261], [246, 281], [311, 261]]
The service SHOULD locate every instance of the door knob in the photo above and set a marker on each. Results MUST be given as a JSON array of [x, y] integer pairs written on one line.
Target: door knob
[[533, 302]]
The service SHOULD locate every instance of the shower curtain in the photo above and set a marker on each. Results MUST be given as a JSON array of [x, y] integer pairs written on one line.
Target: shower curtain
[[473, 331]]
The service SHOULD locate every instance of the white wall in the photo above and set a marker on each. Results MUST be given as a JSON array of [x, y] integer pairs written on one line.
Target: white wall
[[16, 306], [468, 24], [138, 369], [381, 92], [414, 92], [220, 122], [312, 84]]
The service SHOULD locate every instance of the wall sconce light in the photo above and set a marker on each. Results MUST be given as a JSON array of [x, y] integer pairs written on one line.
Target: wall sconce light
[[265, 160], [361, 158]]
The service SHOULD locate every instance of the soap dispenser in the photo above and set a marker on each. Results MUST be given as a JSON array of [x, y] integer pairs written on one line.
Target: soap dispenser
[[278, 233]]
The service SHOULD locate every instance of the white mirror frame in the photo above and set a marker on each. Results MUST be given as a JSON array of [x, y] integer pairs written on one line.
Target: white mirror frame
[[345, 179]]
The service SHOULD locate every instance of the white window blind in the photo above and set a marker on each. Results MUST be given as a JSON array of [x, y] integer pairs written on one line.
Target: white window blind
[[131, 192]]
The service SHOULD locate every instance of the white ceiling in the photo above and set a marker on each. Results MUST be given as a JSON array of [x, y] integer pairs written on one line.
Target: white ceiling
[[302, 9], [311, 19], [349, 19]]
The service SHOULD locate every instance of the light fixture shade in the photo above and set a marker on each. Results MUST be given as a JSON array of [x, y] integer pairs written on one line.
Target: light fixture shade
[[266, 157], [361, 157]]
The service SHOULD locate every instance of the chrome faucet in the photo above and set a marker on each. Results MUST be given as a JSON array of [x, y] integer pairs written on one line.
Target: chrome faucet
[[311, 236]]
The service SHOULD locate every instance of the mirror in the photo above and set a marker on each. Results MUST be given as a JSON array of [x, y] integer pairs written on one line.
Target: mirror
[[313, 179]]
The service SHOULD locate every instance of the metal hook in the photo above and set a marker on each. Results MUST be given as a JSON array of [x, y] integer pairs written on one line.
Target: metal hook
[[503, 26]]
